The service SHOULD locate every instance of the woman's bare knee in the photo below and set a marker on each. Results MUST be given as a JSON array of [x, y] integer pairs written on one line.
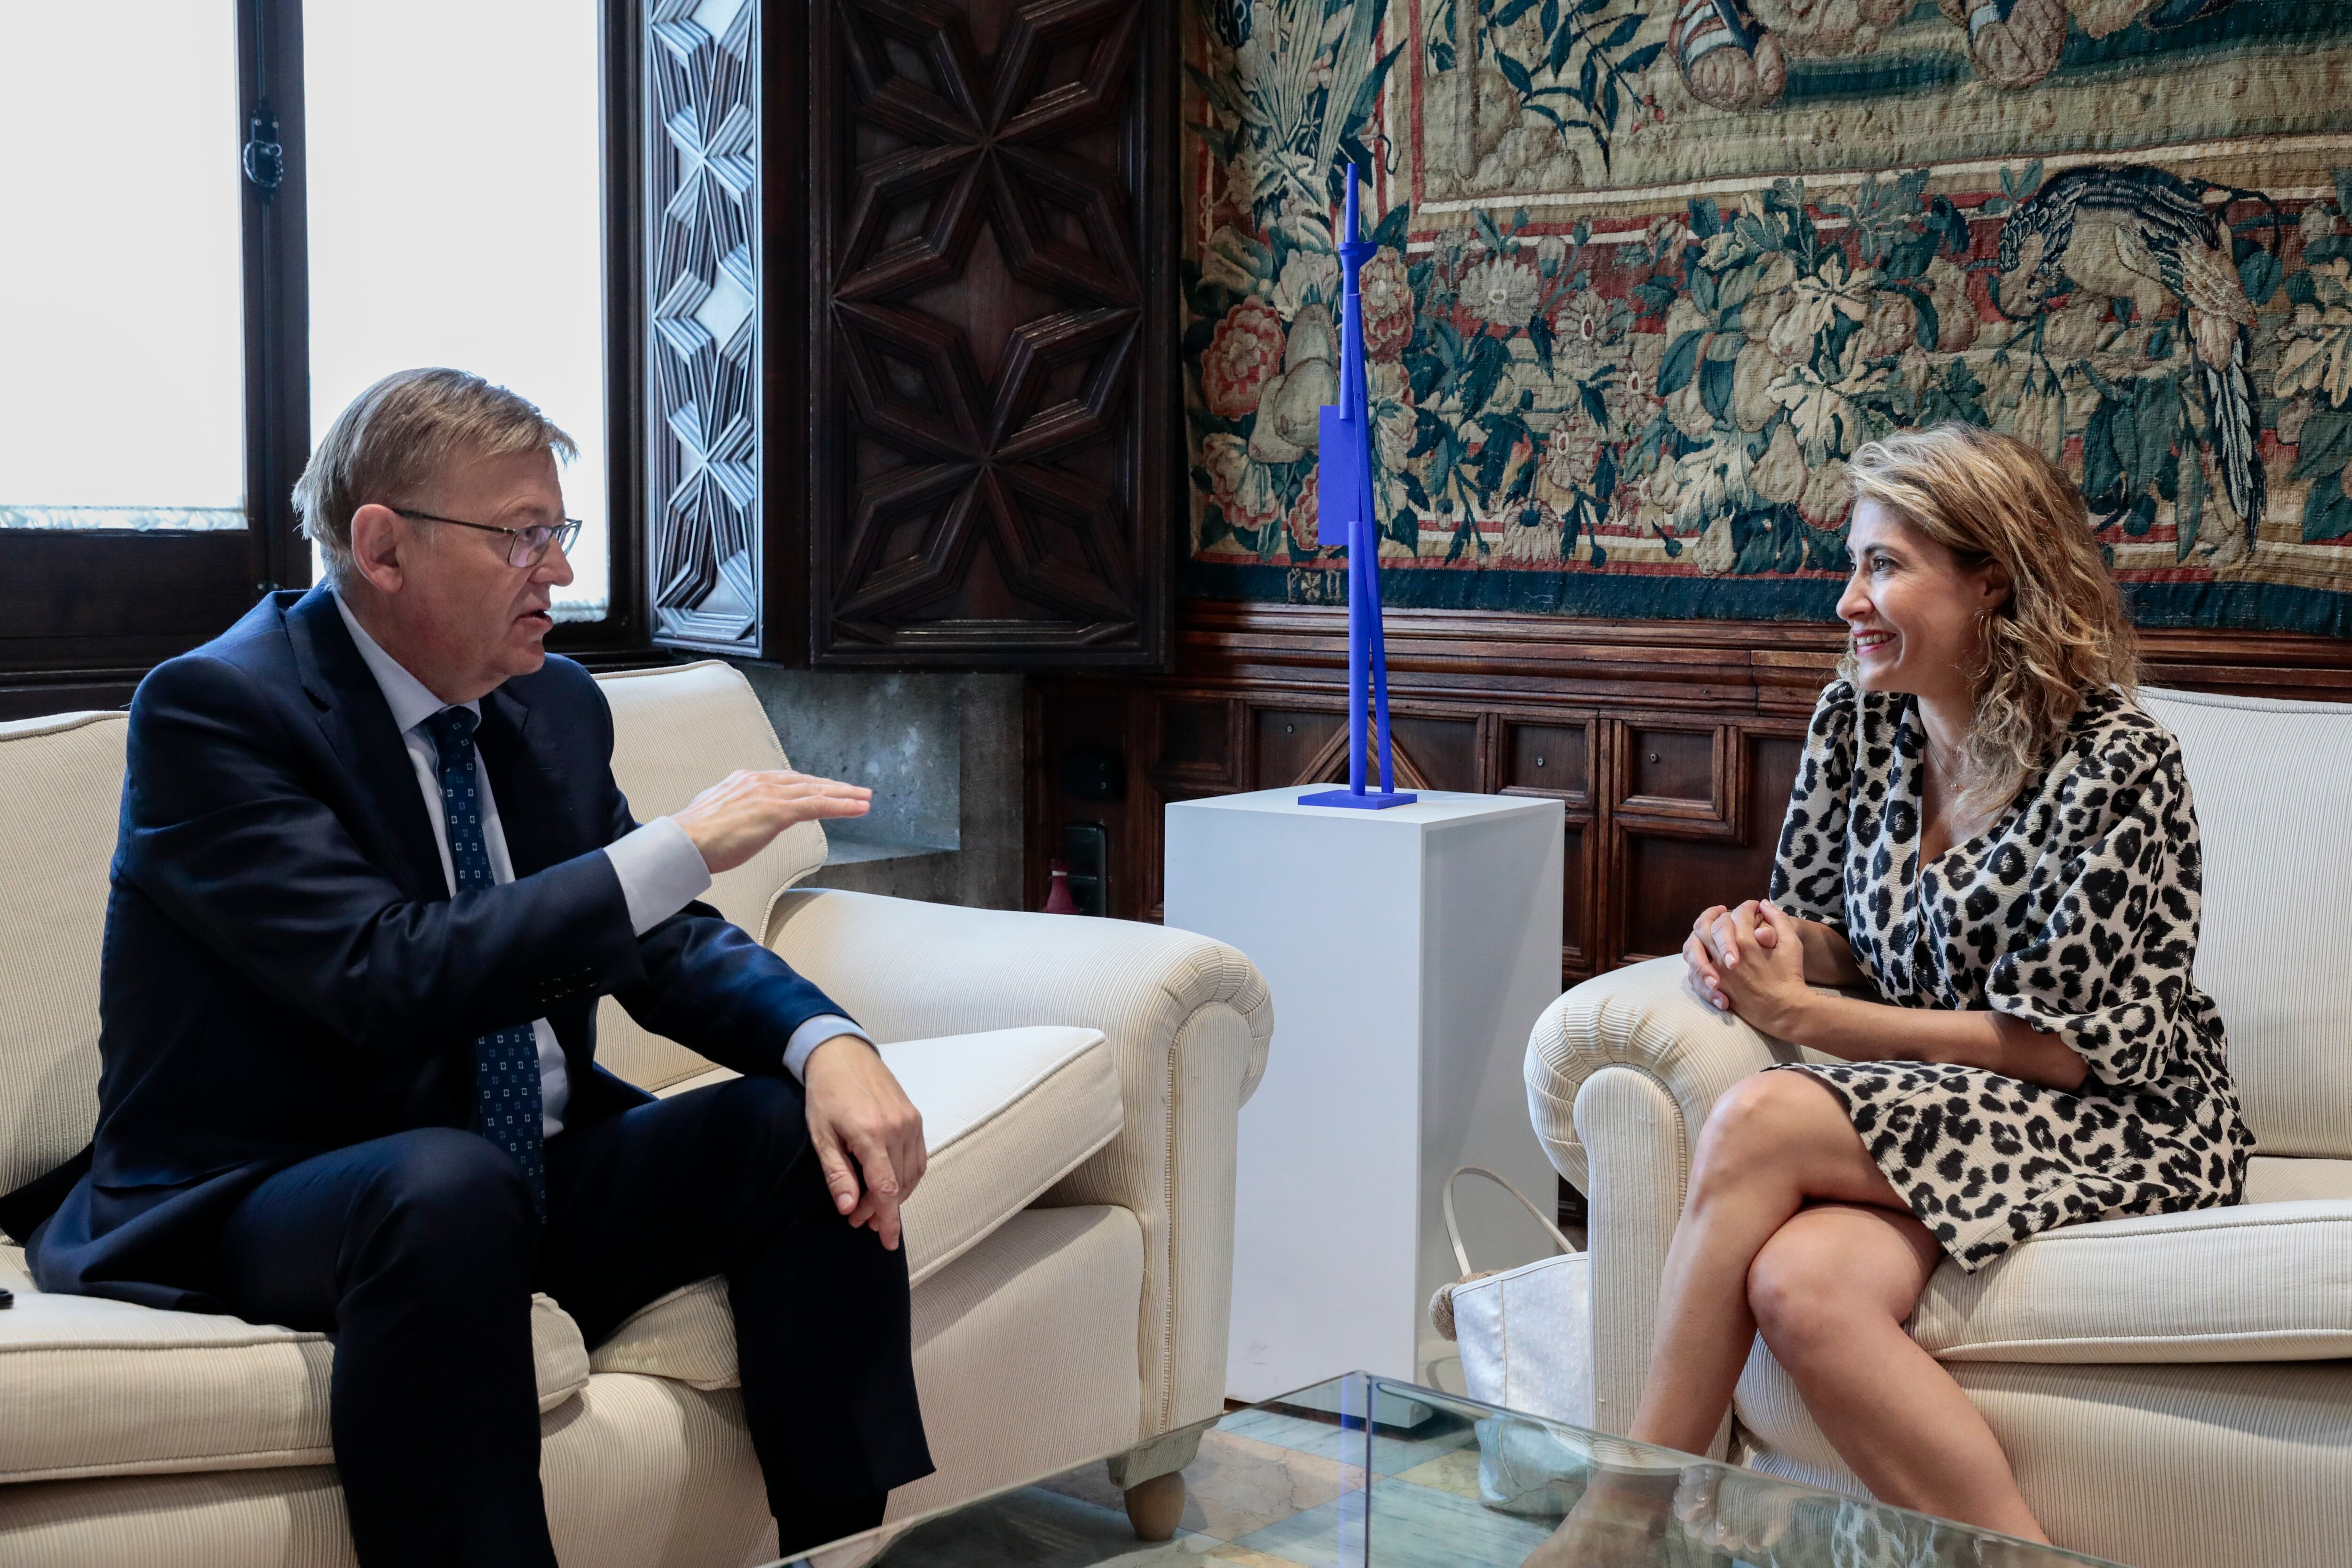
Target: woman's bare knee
[[1756, 1127], [1792, 1127], [1792, 1290], [1832, 1269]]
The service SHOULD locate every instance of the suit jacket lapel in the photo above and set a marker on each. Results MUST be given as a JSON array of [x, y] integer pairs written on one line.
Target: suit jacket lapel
[[531, 803], [358, 724]]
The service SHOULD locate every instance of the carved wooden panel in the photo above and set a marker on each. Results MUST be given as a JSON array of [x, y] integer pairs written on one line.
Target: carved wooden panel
[[1681, 778], [1444, 748], [1548, 758], [1295, 744], [992, 438], [1576, 893], [1672, 767], [1665, 878], [1556, 753], [702, 352], [1198, 747]]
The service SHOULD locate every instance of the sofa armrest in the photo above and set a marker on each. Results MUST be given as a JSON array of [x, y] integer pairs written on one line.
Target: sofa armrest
[[1188, 1020], [1621, 1073]]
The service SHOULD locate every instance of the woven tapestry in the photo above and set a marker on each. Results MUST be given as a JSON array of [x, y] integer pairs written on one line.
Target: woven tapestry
[[1651, 269]]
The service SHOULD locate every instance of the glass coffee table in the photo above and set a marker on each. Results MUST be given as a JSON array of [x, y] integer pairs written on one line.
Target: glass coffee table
[[1432, 1481]]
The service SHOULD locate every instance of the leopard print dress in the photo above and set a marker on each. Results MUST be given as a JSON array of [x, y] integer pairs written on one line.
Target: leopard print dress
[[2076, 911]]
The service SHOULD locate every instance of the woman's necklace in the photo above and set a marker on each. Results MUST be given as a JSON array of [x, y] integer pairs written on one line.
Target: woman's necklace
[[1944, 775], [1947, 796]]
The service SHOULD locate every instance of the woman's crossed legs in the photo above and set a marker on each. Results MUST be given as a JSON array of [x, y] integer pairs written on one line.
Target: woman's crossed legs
[[1793, 1231]]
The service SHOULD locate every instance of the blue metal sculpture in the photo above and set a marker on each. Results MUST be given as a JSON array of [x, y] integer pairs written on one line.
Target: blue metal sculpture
[[1343, 461]]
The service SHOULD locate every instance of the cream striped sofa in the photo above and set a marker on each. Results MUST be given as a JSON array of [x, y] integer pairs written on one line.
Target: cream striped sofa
[[1071, 1245], [2174, 1392]]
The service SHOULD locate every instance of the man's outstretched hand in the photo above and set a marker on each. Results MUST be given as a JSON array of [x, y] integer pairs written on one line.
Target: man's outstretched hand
[[863, 1125], [740, 815], [869, 1135]]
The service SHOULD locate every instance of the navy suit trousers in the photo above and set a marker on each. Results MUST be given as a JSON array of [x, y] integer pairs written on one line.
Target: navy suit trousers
[[419, 1252]]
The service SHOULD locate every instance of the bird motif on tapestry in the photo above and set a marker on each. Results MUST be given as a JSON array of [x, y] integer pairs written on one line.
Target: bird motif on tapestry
[[2137, 233]]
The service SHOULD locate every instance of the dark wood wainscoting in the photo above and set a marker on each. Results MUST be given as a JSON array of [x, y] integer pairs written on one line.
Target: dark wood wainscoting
[[1673, 745]]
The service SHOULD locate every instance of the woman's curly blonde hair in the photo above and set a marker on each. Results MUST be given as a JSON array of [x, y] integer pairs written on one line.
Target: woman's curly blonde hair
[[2062, 632]]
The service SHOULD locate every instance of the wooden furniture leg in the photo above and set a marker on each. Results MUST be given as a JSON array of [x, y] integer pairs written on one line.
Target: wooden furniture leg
[[1153, 1507]]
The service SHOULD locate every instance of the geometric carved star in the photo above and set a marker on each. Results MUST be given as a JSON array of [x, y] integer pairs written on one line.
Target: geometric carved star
[[986, 142], [984, 146], [703, 274]]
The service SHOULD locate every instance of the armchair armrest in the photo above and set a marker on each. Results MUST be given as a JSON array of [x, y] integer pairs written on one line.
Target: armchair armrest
[[1621, 1073], [1188, 1020]]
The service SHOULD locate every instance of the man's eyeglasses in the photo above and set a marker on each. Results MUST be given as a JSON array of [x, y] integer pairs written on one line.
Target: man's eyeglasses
[[525, 546]]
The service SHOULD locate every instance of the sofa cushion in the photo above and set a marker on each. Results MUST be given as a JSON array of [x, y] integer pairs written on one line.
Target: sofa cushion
[[94, 1387], [61, 778], [1006, 1114], [2271, 1180], [2274, 898], [2268, 1281]]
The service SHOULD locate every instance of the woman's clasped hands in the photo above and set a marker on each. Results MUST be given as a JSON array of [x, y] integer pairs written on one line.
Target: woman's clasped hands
[[1750, 960]]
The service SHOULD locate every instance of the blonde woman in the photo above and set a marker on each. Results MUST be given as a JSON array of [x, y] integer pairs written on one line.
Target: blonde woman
[[1989, 832]]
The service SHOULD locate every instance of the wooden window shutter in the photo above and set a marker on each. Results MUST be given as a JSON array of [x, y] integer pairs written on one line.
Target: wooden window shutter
[[944, 433]]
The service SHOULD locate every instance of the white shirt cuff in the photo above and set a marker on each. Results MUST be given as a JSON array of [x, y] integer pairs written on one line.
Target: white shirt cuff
[[815, 1032], [661, 872]]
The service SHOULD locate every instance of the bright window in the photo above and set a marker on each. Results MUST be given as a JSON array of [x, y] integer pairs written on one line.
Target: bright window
[[122, 344], [456, 176]]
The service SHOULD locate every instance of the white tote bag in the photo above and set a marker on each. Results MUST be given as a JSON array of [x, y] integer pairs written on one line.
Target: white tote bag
[[1526, 1335]]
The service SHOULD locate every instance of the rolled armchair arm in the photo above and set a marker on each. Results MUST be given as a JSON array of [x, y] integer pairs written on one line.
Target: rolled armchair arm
[[1188, 1020], [1621, 1073], [1645, 1018]]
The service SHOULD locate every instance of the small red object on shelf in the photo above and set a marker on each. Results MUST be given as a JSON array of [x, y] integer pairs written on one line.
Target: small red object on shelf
[[1057, 898]]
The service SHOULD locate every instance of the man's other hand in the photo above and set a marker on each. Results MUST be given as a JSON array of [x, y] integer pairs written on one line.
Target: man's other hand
[[858, 1112], [740, 815]]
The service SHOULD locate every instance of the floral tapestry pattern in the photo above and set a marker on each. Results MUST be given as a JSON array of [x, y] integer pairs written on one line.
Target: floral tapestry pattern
[[1651, 269]]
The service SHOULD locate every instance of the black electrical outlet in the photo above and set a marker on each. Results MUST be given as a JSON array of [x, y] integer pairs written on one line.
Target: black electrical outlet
[[1094, 775], [1086, 849]]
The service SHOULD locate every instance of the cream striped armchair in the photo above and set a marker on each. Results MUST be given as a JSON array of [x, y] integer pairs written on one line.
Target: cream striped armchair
[[2174, 1392]]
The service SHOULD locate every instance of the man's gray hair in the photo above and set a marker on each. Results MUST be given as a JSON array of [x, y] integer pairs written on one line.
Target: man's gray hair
[[400, 433]]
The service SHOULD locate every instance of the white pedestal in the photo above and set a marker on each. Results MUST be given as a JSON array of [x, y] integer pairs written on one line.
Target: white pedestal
[[1409, 953]]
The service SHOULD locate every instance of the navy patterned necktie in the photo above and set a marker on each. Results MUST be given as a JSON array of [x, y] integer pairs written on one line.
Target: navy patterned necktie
[[507, 1106]]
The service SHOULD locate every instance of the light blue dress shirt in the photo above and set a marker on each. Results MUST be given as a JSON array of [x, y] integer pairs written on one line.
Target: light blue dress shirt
[[660, 868]]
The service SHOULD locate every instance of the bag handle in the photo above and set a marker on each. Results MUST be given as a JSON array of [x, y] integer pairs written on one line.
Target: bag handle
[[1453, 1229]]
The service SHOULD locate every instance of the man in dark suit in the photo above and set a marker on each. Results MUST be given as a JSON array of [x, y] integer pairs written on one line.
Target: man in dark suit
[[373, 875]]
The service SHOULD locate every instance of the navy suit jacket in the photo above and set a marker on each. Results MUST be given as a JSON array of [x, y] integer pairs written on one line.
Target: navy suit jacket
[[285, 972]]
